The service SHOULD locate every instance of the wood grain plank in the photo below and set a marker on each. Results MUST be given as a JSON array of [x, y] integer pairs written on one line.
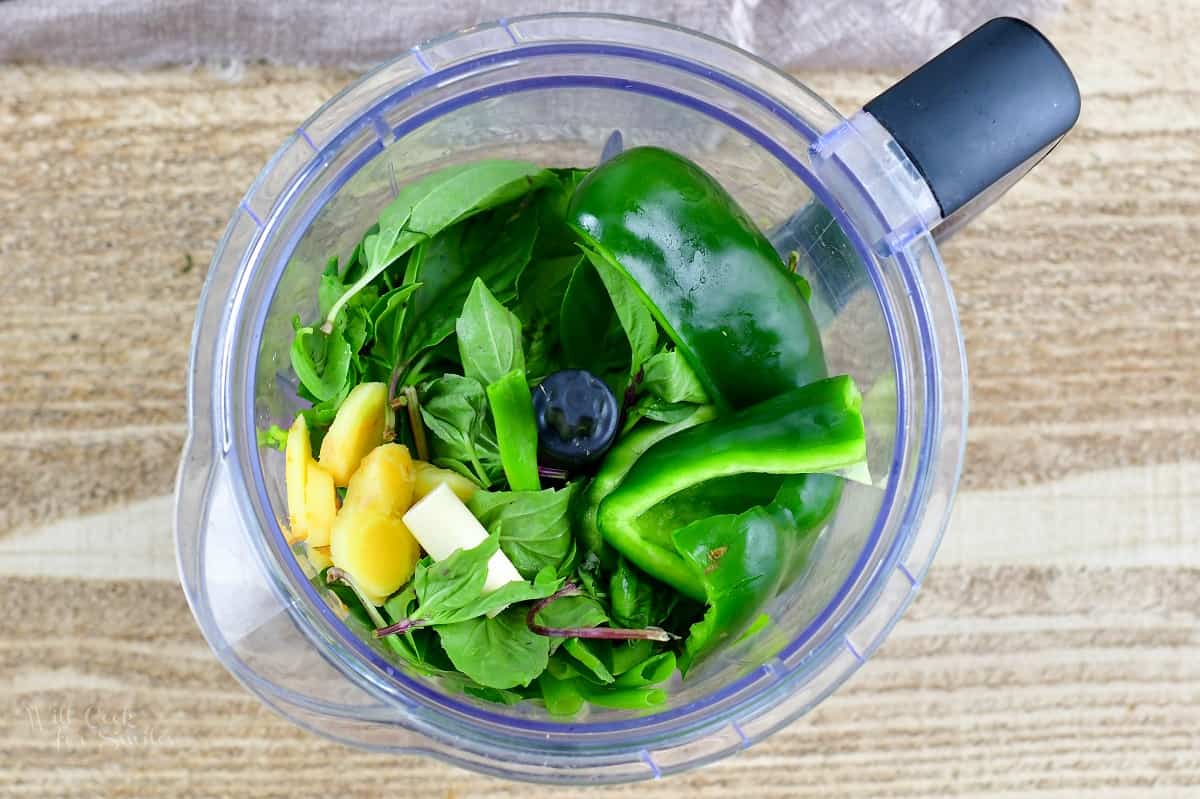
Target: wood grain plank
[[1001, 680]]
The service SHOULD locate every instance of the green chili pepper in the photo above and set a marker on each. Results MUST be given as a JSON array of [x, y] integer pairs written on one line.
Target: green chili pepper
[[516, 430], [817, 428], [709, 275]]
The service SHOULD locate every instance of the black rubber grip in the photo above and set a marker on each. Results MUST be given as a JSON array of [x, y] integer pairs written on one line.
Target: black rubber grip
[[980, 109]]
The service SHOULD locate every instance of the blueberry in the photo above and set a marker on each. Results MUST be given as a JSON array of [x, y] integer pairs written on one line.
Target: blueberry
[[577, 416]]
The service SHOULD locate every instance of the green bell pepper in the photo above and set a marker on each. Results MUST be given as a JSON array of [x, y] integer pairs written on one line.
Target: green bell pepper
[[616, 465], [710, 276], [746, 559], [817, 428]]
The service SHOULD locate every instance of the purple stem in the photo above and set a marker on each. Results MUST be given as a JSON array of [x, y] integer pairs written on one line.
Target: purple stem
[[402, 626], [552, 473], [609, 633]]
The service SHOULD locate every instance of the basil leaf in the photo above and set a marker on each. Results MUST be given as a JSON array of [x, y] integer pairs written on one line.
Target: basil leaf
[[631, 310], [588, 326], [534, 526], [453, 582], [489, 337], [670, 378], [454, 409], [540, 296], [550, 206], [572, 612], [387, 315], [543, 586], [500, 652], [428, 206], [330, 289], [494, 247], [321, 361]]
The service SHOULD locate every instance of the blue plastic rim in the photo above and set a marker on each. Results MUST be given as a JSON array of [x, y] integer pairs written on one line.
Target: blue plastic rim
[[244, 327]]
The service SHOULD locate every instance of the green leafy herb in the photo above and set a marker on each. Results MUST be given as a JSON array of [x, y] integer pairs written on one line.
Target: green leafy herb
[[489, 337], [534, 526], [428, 206], [387, 315], [636, 320], [494, 247], [540, 299], [499, 652], [669, 378], [455, 410], [274, 437], [591, 333]]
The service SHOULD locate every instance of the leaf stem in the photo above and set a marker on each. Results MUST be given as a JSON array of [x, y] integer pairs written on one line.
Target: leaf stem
[[413, 405], [609, 633], [402, 626], [336, 575]]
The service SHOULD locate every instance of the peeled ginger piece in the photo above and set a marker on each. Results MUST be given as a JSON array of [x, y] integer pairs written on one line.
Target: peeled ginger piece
[[369, 540]]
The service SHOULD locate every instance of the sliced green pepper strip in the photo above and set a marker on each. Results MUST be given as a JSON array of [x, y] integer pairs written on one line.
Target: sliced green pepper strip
[[709, 275], [617, 464], [516, 430], [813, 429], [746, 559]]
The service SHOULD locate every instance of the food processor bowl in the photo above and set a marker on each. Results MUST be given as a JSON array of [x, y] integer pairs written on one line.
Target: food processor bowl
[[859, 209]]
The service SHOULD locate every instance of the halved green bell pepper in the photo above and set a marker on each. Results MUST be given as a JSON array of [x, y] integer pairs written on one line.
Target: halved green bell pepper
[[744, 560], [616, 465], [814, 429], [708, 273]]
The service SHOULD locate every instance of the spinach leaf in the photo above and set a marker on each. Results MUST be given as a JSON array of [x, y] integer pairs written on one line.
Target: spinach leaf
[[494, 247], [590, 331], [534, 526], [631, 310], [670, 378], [428, 206], [500, 652], [489, 337], [454, 409]]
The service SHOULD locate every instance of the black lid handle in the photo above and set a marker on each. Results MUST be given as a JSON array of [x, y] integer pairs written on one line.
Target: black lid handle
[[981, 110]]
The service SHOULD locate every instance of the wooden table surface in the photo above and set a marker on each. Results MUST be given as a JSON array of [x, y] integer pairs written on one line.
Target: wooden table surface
[[1054, 651]]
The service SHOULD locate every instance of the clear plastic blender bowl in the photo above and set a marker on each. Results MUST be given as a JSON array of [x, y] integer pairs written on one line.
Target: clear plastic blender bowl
[[857, 207]]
